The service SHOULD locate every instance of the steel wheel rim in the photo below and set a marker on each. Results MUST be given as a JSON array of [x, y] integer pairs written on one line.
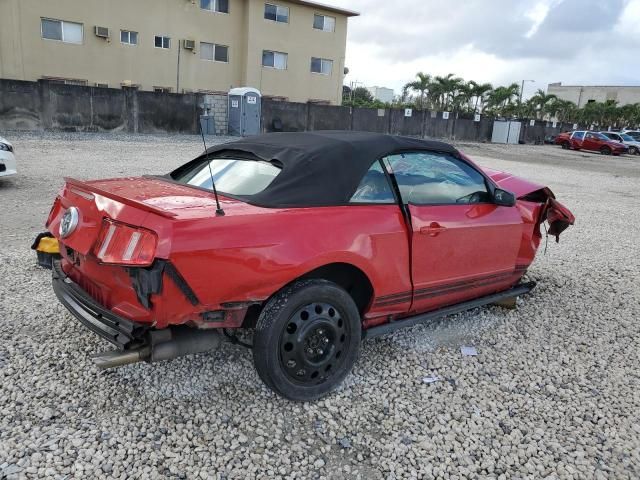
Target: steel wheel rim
[[314, 343]]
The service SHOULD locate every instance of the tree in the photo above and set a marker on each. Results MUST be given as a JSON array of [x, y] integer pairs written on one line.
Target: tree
[[447, 88], [421, 85], [563, 110], [361, 97], [480, 93], [501, 100], [539, 101]]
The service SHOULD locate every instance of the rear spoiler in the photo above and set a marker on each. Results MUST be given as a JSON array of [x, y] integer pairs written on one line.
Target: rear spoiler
[[86, 187]]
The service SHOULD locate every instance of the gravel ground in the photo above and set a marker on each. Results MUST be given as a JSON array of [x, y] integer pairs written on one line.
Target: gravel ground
[[553, 392]]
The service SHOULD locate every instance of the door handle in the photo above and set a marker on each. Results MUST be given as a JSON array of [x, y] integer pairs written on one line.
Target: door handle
[[433, 230]]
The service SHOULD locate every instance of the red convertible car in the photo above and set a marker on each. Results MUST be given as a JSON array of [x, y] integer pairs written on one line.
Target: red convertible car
[[583, 140], [314, 241]]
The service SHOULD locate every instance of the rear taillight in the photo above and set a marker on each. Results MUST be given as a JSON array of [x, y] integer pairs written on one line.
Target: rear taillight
[[122, 244]]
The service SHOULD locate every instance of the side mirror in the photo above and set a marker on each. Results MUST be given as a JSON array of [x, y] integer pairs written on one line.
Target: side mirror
[[504, 198]]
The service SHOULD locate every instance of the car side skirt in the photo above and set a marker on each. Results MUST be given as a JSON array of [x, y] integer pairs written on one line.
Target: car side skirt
[[520, 289]]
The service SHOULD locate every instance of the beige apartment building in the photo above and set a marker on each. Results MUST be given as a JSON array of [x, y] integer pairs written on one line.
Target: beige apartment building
[[288, 49]]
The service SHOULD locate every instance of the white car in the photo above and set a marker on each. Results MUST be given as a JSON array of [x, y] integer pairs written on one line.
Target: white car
[[628, 140], [7, 159]]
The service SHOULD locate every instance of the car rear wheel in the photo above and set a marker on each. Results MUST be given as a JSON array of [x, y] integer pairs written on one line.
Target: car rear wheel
[[307, 339], [566, 145], [605, 150]]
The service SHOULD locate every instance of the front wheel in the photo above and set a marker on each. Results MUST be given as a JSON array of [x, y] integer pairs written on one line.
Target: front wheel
[[566, 145], [634, 151], [307, 339]]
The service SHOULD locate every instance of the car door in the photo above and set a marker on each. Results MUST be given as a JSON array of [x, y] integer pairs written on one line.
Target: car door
[[577, 139], [462, 244], [591, 142]]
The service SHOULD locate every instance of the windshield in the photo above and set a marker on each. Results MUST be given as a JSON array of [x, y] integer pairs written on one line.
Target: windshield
[[232, 176], [634, 135], [627, 138]]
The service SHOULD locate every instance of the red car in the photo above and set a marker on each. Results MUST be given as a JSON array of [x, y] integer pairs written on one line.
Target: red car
[[582, 140], [318, 241]]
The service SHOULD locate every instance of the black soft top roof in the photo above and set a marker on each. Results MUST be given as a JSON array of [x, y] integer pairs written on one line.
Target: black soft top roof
[[321, 168]]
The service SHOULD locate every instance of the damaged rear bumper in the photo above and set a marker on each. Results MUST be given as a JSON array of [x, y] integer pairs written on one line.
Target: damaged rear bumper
[[135, 342], [119, 331]]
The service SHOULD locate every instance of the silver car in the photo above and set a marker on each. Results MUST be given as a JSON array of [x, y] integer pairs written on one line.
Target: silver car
[[630, 141]]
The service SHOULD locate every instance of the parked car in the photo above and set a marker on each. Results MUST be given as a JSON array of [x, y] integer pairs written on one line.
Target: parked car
[[632, 133], [313, 240], [7, 159], [583, 140], [628, 140]]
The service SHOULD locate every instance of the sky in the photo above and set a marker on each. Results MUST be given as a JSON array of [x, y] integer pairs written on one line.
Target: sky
[[576, 42]]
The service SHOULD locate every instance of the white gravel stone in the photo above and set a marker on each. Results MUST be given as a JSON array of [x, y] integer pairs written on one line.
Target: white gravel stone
[[552, 393]]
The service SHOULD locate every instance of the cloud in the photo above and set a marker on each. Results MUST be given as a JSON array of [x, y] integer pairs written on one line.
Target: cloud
[[499, 41]]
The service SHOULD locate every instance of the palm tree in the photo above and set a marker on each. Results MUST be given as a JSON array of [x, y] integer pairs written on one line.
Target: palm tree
[[480, 92], [629, 115], [462, 97], [501, 100], [540, 100], [448, 87], [420, 85], [562, 110]]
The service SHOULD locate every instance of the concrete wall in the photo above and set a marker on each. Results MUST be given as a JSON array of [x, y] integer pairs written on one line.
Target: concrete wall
[[216, 105], [294, 117], [20, 105], [51, 106]]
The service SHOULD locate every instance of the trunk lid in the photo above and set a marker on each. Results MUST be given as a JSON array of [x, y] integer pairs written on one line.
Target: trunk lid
[[131, 201]]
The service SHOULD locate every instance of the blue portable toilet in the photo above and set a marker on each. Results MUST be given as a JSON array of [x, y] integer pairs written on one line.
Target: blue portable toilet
[[245, 105]]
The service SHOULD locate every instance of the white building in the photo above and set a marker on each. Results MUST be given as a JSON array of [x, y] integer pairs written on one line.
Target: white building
[[383, 94], [581, 94]]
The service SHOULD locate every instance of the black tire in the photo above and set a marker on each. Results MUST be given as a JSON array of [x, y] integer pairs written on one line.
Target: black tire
[[605, 150], [566, 145], [633, 151], [307, 339]]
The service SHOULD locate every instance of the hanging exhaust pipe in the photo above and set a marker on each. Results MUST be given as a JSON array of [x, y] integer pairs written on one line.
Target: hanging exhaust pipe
[[164, 344]]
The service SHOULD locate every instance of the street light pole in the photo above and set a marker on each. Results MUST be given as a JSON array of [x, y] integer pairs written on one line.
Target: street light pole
[[522, 88]]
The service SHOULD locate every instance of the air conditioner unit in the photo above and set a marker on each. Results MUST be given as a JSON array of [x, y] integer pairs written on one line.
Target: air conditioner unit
[[189, 44], [102, 32]]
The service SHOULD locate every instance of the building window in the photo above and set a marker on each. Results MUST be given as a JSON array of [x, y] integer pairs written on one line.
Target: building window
[[324, 23], [220, 6], [213, 52], [162, 89], [276, 13], [102, 85], [277, 60], [321, 65], [66, 81], [130, 38], [68, 32], [162, 42]]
